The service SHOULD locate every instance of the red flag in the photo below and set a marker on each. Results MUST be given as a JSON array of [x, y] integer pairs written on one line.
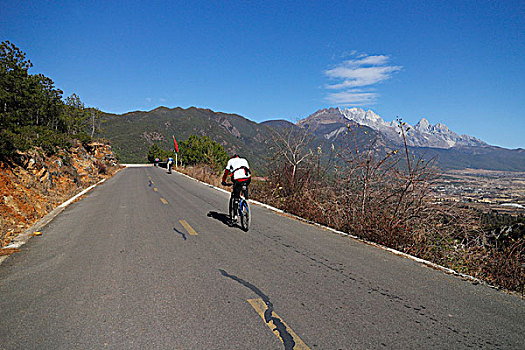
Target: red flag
[[176, 145]]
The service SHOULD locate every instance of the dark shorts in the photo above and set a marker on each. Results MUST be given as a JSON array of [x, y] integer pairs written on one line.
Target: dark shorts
[[239, 186]]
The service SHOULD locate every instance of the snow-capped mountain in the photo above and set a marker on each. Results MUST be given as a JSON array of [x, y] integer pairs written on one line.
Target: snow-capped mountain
[[423, 134]]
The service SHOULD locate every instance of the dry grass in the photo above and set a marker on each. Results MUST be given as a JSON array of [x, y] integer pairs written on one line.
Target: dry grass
[[203, 173]]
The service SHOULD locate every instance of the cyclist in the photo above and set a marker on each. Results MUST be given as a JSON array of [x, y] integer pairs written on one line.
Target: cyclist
[[239, 169], [170, 164]]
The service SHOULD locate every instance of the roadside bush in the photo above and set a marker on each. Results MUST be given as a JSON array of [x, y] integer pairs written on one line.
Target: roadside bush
[[7, 147], [84, 138], [506, 267], [51, 141], [18, 140], [203, 150], [26, 137], [155, 151], [101, 168], [204, 173]]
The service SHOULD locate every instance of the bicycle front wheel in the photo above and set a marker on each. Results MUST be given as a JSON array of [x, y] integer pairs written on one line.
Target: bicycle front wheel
[[245, 215]]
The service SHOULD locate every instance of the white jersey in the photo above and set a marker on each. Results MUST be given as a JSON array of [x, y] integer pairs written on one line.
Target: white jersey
[[236, 167]]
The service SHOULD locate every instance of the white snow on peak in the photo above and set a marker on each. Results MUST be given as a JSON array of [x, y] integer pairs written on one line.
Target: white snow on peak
[[368, 118], [423, 134], [423, 125]]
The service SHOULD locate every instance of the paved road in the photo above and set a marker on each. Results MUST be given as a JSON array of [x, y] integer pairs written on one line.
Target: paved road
[[145, 261]]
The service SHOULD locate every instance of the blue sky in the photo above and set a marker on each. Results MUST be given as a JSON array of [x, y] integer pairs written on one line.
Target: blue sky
[[456, 62]]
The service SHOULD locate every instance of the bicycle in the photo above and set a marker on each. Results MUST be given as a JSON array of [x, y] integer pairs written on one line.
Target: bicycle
[[239, 206]]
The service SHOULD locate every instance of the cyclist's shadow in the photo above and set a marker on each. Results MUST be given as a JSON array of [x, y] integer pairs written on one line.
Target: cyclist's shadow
[[224, 218]]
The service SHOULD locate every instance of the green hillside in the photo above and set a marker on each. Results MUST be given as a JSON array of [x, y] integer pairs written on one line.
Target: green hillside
[[131, 134]]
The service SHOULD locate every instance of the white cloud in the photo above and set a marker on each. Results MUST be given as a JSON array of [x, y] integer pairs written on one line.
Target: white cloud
[[352, 96], [356, 77], [361, 71]]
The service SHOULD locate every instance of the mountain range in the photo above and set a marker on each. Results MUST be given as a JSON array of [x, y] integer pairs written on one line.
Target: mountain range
[[423, 134], [132, 133]]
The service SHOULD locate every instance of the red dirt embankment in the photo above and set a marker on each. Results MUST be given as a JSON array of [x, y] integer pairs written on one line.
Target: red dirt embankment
[[32, 184]]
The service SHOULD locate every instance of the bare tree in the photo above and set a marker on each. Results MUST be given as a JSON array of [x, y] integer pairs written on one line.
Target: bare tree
[[94, 116], [291, 149], [384, 192]]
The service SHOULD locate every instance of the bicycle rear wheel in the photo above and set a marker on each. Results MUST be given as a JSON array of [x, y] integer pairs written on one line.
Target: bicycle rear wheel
[[245, 215]]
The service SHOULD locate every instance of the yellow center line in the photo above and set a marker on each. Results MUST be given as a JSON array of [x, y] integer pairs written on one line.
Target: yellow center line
[[155, 189], [188, 228], [163, 200], [260, 307]]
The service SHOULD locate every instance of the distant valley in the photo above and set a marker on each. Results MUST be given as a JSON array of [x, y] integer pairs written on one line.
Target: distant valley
[[497, 191]]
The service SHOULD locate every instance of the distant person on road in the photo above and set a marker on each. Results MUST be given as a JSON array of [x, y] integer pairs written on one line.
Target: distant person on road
[[157, 160], [239, 169], [170, 164]]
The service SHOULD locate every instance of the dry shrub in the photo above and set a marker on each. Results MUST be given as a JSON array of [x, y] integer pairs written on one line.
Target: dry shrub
[[202, 172], [501, 262], [101, 167], [506, 267]]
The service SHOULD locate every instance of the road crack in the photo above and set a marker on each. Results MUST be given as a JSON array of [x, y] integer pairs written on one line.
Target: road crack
[[285, 336]]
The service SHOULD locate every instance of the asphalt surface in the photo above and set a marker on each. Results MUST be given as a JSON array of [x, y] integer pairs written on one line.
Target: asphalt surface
[[146, 261]]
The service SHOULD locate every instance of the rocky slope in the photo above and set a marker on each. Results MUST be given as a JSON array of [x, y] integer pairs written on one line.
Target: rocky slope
[[32, 184]]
